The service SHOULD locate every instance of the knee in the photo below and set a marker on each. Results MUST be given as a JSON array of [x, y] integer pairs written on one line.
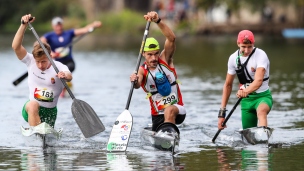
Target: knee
[[32, 106], [263, 109], [171, 110]]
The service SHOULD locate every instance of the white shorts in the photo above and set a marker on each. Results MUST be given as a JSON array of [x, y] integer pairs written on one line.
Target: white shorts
[[181, 109]]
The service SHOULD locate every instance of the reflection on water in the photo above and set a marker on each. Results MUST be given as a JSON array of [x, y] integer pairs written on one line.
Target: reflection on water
[[248, 159], [101, 79], [255, 160], [39, 160], [218, 158]]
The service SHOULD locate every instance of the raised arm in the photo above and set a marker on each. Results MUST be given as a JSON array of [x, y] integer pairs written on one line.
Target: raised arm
[[17, 41], [87, 28], [169, 48]]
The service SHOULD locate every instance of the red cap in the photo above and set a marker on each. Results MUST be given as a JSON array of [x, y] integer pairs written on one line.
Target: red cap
[[245, 34]]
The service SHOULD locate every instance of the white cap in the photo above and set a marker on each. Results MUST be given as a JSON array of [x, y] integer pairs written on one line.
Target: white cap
[[57, 20]]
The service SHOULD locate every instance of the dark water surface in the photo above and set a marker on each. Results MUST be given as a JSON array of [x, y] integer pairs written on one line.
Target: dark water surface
[[101, 79]]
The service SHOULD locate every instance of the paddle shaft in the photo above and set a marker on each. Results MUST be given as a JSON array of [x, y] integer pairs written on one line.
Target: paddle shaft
[[22, 77], [226, 119], [50, 59], [138, 62]]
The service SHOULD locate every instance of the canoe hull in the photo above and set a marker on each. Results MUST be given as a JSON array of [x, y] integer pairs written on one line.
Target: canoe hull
[[165, 139], [256, 135], [43, 133]]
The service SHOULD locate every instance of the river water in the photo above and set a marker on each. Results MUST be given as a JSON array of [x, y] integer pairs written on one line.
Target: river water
[[101, 79]]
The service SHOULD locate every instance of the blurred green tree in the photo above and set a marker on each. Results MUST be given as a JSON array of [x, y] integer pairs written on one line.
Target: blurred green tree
[[12, 10]]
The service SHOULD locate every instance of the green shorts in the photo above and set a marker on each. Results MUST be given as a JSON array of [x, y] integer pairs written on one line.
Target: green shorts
[[47, 115], [249, 106]]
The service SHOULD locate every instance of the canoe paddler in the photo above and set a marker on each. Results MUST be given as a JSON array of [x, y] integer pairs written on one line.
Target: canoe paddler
[[251, 65], [44, 83], [158, 78], [59, 38]]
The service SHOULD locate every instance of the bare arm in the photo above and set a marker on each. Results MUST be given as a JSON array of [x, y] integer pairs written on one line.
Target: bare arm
[[138, 77], [86, 29], [227, 90], [17, 41], [225, 97], [65, 75], [169, 48]]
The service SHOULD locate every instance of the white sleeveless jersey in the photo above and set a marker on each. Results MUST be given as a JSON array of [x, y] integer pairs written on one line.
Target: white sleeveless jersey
[[44, 86], [258, 59], [148, 85]]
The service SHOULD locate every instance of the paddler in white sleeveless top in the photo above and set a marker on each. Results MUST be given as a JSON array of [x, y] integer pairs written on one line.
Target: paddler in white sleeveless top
[[165, 98], [44, 83]]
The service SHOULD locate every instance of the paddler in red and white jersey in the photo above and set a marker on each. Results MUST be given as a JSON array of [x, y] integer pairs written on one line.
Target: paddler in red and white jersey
[[158, 78]]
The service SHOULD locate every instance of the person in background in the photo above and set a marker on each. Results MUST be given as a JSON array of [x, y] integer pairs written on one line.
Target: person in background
[[44, 83], [59, 38], [165, 97], [251, 65]]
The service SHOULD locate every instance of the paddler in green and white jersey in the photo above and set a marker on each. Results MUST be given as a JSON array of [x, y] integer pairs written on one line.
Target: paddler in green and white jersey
[[44, 83], [251, 65]]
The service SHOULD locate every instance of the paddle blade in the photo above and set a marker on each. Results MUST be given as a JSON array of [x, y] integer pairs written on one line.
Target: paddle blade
[[120, 133], [86, 118]]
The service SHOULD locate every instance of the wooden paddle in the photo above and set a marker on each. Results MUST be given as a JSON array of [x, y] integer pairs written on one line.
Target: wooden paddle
[[86, 118], [122, 127], [224, 123], [22, 77]]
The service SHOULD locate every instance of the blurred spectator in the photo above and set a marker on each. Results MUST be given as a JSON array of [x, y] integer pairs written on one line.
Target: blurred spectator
[[182, 16], [267, 14], [282, 18], [160, 9], [170, 9], [228, 13], [159, 6]]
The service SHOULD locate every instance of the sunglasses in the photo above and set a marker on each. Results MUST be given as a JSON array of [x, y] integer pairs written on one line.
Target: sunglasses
[[151, 46]]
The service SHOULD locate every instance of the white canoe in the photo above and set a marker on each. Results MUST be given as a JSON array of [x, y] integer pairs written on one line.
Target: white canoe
[[44, 132], [164, 139], [256, 135]]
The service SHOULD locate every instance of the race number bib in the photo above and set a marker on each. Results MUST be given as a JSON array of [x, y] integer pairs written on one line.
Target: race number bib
[[44, 94], [166, 101], [63, 52]]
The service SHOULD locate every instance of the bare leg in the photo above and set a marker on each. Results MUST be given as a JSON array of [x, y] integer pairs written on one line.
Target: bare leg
[[170, 114], [32, 108], [262, 113]]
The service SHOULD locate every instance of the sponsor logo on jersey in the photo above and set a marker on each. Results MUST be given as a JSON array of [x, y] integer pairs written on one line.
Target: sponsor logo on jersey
[[53, 80], [152, 87]]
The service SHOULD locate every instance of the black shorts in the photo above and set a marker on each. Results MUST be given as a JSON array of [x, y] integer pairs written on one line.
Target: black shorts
[[69, 63], [159, 119]]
